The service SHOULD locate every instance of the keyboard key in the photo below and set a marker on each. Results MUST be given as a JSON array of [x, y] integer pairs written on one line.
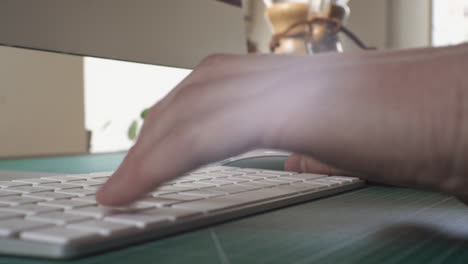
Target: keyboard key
[[274, 183], [61, 178], [345, 179], [6, 184], [77, 191], [93, 211], [137, 206], [60, 235], [28, 189], [250, 187], [57, 186], [221, 174], [172, 213], [58, 218], [209, 169], [83, 183], [94, 175], [227, 179], [235, 200], [206, 193], [212, 175], [4, 193], [266, 175], [245, 178], [252, 177], [88, 198], [104, 228], [67, 204], [12, 227], [140, 220], [238, 179], [258, 185], [297, 188], [94, 187], [219, 182], [28, 209], [101, 174], [172, 189], [290, 179], [312, 185], [199, 177], [49, 195], [18, 200], [277, 173], [247, 171], [182, 180], [6, 215], [36, 181], [158, 201], [230, 189], [195, 185], [327, 182], [180, 197], [283, 180], [309, 176], [101, 179], [81, 177], [97, 181], [98, 211]]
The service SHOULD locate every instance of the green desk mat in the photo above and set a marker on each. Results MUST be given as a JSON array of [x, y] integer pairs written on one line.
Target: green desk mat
[[370, 225]]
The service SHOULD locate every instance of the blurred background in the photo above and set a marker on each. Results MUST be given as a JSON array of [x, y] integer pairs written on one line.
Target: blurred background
[[54, 104]]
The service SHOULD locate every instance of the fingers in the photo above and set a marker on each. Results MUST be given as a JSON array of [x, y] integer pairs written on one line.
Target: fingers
[[304, 164], [145, 168], [176, 148]]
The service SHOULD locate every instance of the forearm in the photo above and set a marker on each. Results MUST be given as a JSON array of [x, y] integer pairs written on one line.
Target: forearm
[[398, 118]]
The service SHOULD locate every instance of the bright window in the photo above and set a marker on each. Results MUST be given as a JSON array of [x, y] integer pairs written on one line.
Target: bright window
[[115, 94], [450, 22]]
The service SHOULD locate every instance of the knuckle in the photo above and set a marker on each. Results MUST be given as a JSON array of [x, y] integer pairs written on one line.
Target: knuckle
[[151, 113], [213, 59]]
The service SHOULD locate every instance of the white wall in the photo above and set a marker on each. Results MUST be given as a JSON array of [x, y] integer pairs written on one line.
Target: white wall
[[257, 28], [368, 20], [450, 22], [41, 103], [116, 93], [409, 23]]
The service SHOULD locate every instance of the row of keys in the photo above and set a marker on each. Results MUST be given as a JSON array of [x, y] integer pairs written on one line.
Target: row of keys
[[89, 208], [63, 209]]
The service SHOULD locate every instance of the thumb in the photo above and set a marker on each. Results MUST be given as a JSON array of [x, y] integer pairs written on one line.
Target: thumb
[[305, 164]]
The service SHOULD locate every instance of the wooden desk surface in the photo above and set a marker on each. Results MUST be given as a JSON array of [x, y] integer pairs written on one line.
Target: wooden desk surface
[[371, 225]]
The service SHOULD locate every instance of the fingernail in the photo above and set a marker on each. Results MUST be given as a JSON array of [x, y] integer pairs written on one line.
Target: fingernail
[[112, 192]]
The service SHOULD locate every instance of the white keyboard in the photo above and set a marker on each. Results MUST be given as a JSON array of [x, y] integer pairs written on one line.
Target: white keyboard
[[57, 216]]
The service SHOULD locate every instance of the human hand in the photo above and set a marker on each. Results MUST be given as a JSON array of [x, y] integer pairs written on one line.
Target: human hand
[[229, 104], [378, 115]]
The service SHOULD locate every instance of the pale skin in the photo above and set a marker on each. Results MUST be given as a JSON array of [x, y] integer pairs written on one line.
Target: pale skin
[[396, 117]]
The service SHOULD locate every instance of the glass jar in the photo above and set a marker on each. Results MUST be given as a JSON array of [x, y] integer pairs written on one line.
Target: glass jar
[[318, 36], [282, 14], [324, 36]]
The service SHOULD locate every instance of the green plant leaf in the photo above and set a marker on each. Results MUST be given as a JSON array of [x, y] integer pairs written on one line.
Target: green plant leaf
[[133, 130], [144, 113]]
